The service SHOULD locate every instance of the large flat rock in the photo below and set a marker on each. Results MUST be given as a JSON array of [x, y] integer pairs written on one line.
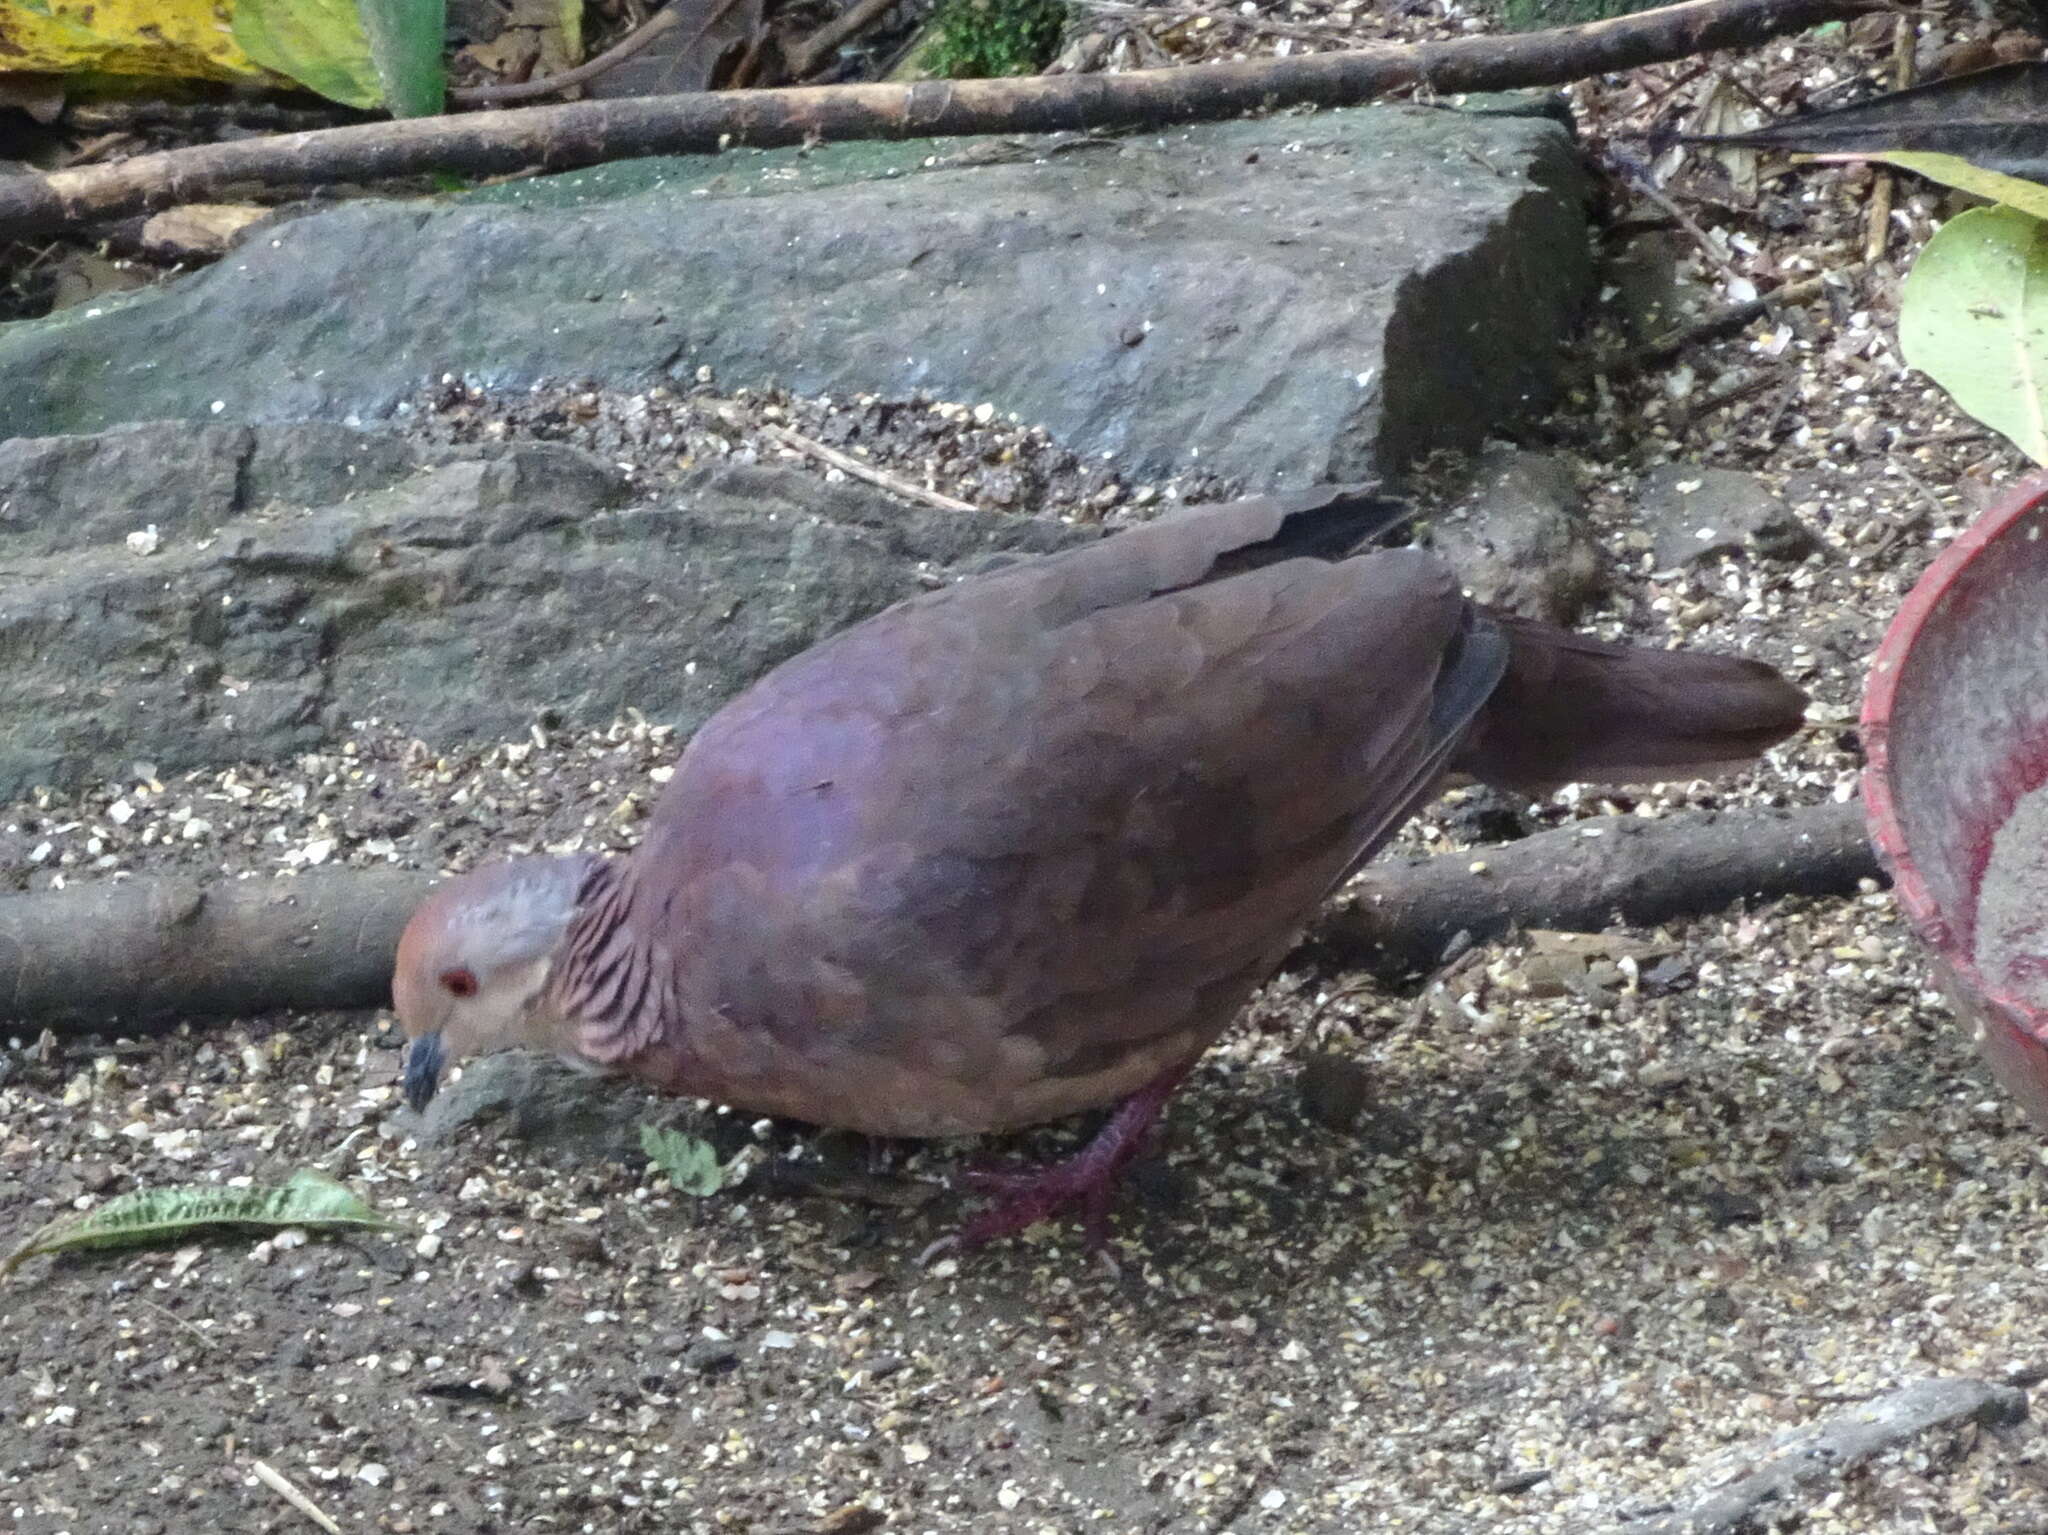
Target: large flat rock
[[290, 579], [1299, 298]]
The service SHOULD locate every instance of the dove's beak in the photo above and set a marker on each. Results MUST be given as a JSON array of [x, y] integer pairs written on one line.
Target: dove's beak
[[424, 1059]]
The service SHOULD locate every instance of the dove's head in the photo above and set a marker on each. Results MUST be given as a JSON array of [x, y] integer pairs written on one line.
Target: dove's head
[[474, 962]]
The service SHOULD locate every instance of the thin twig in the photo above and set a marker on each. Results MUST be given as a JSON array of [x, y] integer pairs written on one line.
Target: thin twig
[[1722, 322], [1654, 102], [1877, 229], [97, 148], [665, 20], [841, 29], [1780, 408], [861, 470], [1877, 233], [1954, 439], [171, 1316], [275, 1480], [1722, 398], [1691, 226], [1930, 507]]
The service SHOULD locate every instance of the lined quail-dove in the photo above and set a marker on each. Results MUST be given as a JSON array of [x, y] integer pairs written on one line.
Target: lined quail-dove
[[1022, 846]]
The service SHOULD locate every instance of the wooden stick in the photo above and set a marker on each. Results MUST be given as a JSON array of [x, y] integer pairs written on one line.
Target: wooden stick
[[136, 951], [125, 954], [843, 28], [1713, 253], [861, 470], [276, 1481], [1585, 876], [1877, 233], [589, 132]]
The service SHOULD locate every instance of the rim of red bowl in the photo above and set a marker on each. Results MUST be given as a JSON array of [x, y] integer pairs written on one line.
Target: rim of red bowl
[[1880, 806]]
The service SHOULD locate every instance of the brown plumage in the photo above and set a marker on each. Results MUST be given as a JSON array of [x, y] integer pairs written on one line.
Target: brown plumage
[[1023, 846]]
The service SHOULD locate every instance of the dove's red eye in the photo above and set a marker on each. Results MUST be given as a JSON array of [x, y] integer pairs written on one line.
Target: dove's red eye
[[459, 982]]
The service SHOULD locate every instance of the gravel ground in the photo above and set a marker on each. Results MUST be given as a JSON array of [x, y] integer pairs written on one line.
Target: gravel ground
[[1544, 1244]]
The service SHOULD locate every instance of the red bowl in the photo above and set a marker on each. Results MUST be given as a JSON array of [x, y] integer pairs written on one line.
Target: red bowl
[[1955, 721]]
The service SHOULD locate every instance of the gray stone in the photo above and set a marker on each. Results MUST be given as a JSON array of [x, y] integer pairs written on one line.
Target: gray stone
[[1284, 300], [318, 462], [486, 588], [559, 1111], [1334, 1090], [59, 493], [1650, 298], [711, 1356], [1694, 515], [1519, 538]]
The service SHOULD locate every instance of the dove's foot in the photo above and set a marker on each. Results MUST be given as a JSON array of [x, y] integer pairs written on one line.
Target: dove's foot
[[1088, 1178]]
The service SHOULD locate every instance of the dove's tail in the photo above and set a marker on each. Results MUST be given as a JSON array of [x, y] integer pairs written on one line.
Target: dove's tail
[[1570, 708]]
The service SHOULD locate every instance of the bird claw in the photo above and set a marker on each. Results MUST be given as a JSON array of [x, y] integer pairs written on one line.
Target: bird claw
[[1026, 1198], [1011, 1179], [1027, 1195]]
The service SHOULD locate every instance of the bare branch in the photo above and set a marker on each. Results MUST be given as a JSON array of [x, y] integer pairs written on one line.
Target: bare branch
[[587, 132], [1591, 874], [141, 950]]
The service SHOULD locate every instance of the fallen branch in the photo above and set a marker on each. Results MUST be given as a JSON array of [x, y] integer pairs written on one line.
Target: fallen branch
[[147, 950], [587, 132], [1769, 1485], [1586, 876], [144, 950], [1693, 412]]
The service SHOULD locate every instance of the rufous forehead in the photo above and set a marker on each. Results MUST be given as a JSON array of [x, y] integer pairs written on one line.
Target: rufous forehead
[[426, 924]]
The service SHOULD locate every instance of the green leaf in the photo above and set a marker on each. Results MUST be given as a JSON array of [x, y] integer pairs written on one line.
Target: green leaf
[[405, 45], [1973, 316], [158, 1217], [319, 43], [688, 1161]]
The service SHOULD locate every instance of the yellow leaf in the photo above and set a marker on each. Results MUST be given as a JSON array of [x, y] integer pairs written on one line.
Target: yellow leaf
[[159, 39], [1954, 171]]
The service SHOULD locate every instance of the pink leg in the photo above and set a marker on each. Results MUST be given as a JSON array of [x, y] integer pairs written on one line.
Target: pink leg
[[1026, 1198]]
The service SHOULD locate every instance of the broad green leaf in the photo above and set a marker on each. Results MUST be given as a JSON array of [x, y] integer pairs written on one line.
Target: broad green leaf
[[319, 43], [158, 1217], [688, 1161], [405, 45], [1954, 171], [1973, 316]]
